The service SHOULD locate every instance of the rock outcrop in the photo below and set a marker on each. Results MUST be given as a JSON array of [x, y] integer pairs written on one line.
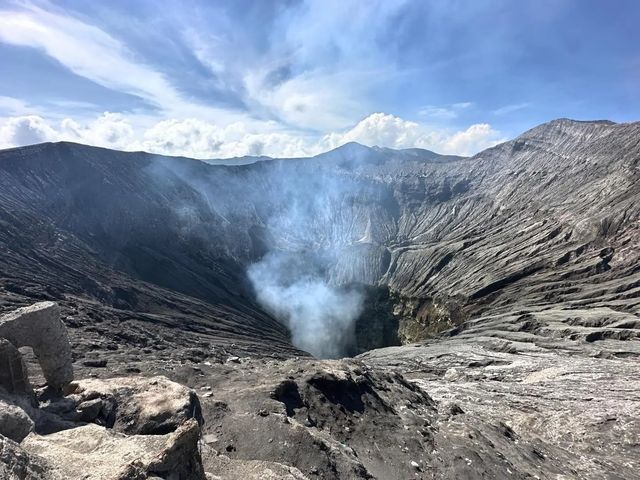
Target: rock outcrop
[[125, 429], [451, 409], [17, 464], [15, 423], [94, 453], [563, 380], [39, 327], [136, 406]]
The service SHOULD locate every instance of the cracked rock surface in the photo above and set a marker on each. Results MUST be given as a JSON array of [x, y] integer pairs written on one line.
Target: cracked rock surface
[[581, 397]]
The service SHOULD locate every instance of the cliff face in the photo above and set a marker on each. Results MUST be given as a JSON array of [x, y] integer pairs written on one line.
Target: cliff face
[[89, 228], [549, 218]]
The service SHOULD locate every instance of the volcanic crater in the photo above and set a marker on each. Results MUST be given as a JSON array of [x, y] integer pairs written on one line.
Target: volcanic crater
[[479, 317]]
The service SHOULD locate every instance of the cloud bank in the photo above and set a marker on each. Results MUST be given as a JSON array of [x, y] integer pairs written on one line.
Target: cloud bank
[[232, 81], [201, 139]]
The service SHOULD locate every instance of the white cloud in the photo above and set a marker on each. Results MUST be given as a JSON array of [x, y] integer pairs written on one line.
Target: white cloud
[[295, 77], [91, 53], [470, 141], [85, 50], [327, 63], [308, 101], [109, 130], [26, 130], [189, 137], [378, 129], [386, 130], [201, 139], [511, 108], [446, 112], [195, 138], [314, 98]]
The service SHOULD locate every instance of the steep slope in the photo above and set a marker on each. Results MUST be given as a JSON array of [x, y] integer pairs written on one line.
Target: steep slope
[[181, 225], [78, 228], [549, 218]]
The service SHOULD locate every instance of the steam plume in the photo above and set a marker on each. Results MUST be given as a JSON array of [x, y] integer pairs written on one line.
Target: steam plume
[[300, 227], [321, 317]]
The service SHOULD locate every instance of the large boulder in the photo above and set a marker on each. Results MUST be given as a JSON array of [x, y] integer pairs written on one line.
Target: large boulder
[[39, 327], [92, 452], [145, 406], [14, 421], [116, 429]]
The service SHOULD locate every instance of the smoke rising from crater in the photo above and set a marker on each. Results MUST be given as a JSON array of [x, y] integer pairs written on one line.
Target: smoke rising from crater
[[300, 228], [320, 316]]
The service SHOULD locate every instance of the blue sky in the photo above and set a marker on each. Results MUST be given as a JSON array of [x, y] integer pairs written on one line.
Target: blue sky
[[226, 78]]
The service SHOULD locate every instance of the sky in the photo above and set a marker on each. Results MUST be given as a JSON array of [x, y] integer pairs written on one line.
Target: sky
[[217, 79]]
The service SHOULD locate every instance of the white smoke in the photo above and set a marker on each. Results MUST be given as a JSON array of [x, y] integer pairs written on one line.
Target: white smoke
[[320, 316], [289, 223]]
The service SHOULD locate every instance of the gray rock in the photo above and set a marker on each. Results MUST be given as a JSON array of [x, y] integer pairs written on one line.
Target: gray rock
[[90, 409], [15, 423], [39, 327], [144, 406], [110, 455], [95, 362], [13, 371], [17, 464]]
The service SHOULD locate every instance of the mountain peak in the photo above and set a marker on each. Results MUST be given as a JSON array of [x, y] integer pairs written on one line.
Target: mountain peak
[[352, 147], [566, 125]]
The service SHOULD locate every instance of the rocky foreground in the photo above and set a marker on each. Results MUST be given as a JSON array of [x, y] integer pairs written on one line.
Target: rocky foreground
[[500, 336], [504, 398]]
